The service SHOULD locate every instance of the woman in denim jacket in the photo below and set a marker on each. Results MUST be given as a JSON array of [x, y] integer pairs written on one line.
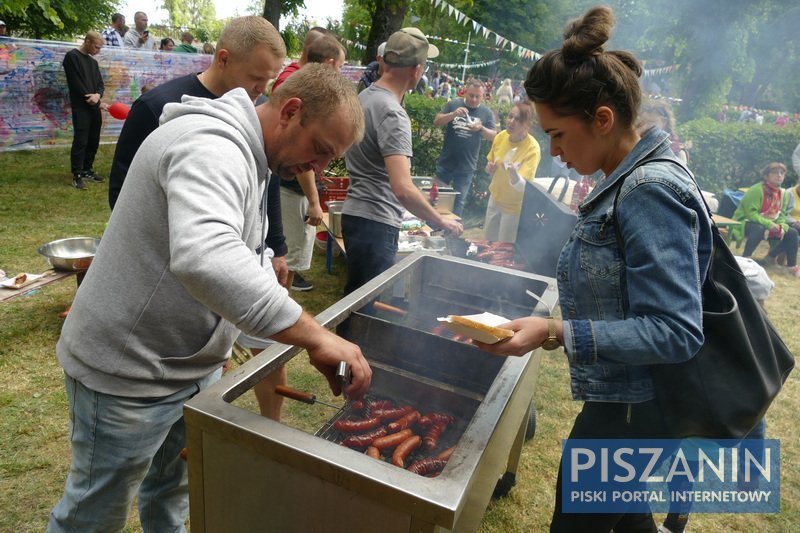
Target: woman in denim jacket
[[623, 309]]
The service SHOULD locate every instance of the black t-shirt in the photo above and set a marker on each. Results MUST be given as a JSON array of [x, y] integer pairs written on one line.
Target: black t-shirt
[[143, 119], [461, 146]]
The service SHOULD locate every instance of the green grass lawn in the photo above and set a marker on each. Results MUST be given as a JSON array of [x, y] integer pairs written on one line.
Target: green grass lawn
[[37, 205]]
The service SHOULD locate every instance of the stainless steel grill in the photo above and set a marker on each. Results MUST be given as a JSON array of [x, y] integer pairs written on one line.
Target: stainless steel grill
[[248, 473]]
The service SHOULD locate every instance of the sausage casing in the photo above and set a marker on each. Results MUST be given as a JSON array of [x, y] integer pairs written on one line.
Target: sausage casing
[[363, 440], [404, 449], [404, 422], [390, 441], [427, 466], [356, 426]]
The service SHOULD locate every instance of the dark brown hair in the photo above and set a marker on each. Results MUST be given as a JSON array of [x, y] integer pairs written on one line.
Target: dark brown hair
[[770, 167], [582, 75]]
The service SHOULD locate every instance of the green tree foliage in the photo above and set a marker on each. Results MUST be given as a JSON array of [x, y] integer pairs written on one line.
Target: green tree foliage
[[190, 13], [55, 19]]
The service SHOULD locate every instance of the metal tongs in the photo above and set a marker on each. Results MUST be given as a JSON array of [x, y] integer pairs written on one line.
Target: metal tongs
[[344, 376]]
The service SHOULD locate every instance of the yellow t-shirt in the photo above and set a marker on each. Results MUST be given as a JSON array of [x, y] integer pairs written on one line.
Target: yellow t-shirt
[[795, 214], [527, 155]]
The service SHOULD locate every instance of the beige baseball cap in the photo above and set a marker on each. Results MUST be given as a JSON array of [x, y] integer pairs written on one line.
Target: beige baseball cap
[[408, 47]]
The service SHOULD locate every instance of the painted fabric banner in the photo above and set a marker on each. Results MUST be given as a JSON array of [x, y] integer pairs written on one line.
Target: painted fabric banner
[[34, 101]]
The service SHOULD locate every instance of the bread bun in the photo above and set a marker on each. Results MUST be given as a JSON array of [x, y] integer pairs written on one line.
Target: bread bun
[[500, 333]]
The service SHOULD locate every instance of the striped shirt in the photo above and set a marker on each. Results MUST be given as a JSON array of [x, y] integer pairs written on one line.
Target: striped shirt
[[112, 37]]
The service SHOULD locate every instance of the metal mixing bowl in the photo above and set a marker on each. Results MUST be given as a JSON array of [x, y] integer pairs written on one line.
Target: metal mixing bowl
[[74, 254]]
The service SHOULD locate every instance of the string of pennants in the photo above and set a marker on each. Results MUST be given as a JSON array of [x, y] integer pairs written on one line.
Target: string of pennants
[[651, 72], [499, 41], [348, 42], [471, 65]]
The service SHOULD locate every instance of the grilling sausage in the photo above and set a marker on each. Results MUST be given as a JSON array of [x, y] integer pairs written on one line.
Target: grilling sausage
[[403, 449], [390, 441], [446, 453], [434, 418], [404, 422], [374, 452], [432, 436], [364, 439], [427, 466], [392, 413], [356, 426]]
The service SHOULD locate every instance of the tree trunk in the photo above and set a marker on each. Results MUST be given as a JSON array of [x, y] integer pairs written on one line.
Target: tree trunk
[[272, 12], [386, 19]]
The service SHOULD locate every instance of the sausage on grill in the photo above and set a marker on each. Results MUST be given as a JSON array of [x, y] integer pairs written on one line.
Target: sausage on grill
[[390, 441], [427, 466], [404, 449]]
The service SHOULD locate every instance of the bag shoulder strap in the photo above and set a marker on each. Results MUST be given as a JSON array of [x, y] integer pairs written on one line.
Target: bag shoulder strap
[[661, 159]]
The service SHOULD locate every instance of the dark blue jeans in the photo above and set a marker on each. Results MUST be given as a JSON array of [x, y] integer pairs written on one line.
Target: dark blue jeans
[[370, 248]]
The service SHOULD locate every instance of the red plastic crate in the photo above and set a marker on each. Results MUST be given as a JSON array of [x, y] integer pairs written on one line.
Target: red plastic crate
[[331, 195], [336, 183]]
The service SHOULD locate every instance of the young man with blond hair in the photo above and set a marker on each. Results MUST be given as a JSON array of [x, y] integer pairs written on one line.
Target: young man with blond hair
[[85, 91]]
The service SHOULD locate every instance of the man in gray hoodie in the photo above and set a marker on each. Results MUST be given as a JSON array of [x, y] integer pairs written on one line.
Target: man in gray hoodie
[[175, 278]]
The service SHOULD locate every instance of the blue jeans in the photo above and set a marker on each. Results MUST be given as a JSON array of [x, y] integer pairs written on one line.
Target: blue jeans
[[460, 182], [121, 446], [371, 248]]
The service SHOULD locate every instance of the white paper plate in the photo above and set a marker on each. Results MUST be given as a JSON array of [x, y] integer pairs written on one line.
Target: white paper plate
[[9, 283]]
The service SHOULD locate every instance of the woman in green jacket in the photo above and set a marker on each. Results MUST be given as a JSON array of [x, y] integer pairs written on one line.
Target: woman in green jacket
[[763, 210]]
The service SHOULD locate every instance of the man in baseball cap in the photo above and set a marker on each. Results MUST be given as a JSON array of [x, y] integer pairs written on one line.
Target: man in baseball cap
[[2, 28], [407, 48], [380, 165]]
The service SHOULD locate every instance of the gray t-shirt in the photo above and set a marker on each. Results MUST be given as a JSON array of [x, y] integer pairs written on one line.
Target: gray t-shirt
[[387, 131], [461, 146]]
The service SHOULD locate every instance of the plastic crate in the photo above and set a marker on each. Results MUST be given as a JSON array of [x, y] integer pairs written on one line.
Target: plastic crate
[[331, 195], [336, 183]]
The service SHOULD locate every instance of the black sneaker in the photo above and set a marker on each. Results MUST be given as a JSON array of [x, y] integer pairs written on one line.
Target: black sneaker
[[91, 176], [300, 284], [77, 182]]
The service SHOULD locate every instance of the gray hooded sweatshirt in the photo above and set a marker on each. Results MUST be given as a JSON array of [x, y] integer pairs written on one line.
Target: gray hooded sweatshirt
[[176, 274]]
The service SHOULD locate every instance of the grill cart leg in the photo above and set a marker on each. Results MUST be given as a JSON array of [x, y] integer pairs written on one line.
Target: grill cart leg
[[531, 430], [509, 478]]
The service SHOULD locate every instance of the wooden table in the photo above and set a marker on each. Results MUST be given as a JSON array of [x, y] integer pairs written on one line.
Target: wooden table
[[727, 224], [50, 276]]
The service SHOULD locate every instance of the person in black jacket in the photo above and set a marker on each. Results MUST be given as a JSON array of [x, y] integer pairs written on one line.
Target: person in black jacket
[[248, 55], [85, 91]]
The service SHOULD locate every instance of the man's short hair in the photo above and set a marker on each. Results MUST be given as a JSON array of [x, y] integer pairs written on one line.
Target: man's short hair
[[242, 34], [324, 48], [475, 82], [187, 37], [94, 36], [322, 90], [116, 17]]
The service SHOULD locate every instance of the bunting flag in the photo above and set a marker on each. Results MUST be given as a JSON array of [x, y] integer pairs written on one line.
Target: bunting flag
[[651, 72], [348, 42], [500, 41], [471, 65]]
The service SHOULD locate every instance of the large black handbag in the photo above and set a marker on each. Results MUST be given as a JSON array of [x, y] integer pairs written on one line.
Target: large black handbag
[[545, 224], [726, 388]]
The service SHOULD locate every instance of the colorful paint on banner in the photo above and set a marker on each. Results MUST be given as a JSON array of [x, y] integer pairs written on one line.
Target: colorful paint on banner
[[34, 96], [33, 88], [675, 476]]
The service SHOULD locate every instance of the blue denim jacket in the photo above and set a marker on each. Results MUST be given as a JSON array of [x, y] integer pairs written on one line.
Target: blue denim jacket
[[626, 312]]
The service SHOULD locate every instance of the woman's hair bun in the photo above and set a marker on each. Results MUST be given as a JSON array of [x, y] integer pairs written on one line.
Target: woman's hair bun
[[585, 36]]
